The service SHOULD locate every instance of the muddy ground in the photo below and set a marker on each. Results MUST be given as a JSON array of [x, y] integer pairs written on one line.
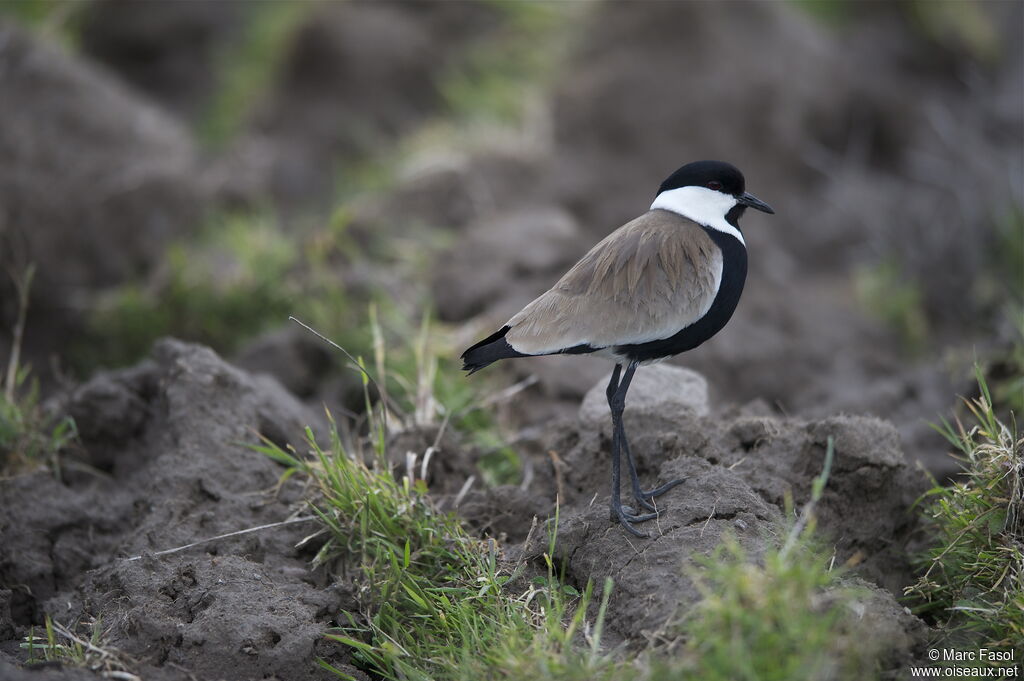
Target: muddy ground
[[874, 141], [166, 441]]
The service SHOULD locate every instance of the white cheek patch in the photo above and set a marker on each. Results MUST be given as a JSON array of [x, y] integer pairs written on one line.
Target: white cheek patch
[[702, 205]]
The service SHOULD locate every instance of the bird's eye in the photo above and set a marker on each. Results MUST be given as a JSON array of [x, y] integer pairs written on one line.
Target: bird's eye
[[714, 184]]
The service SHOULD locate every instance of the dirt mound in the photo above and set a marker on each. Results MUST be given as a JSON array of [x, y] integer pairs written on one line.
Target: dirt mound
[[166, 438], [738, 471], [93, 182]]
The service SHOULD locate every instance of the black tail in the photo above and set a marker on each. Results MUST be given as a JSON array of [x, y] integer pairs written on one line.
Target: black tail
[[488, 351]]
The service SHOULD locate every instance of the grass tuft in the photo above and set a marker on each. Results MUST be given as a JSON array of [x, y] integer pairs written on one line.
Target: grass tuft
[[779, 618], [241, 276], [1005, 371], [29, 436], [246, 68], [785, 618], [437, 602], [496, 78], [58, 20], [58, 644], [973, 582]]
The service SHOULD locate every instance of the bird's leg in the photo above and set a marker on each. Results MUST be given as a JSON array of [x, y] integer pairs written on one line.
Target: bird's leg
[[616, 393], [639, 494], [642, 495], [619, 432], [613, 384], [613, 387]]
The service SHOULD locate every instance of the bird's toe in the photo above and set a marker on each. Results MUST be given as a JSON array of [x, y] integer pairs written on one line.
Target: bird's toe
[[641, 499], [658, 491], [626, 517]]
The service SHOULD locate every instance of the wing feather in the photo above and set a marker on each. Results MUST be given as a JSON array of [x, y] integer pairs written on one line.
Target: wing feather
[[645, 281]]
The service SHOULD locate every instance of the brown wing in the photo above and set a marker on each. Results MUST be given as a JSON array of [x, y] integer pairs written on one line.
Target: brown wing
[[645, 281]]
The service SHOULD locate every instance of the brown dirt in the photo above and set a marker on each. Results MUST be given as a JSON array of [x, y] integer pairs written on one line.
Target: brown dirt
[[864, 139], [165, 440], [738, 471]]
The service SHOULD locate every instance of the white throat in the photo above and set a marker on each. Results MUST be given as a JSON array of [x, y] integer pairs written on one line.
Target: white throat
[[702, 205]]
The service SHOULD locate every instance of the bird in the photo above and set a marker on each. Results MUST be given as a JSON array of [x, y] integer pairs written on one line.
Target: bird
[[657, 286]]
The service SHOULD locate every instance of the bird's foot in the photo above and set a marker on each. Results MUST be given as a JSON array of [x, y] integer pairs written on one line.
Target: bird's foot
[[625, 516], [643, 496]]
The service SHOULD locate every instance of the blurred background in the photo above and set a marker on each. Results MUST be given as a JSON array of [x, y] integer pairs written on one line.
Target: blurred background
[[405, 175]]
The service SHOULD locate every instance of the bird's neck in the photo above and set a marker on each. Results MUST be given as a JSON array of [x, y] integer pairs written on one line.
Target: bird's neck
[[704, 206]]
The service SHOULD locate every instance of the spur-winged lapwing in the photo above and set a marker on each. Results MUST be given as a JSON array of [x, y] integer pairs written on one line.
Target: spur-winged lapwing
[[659, 285]]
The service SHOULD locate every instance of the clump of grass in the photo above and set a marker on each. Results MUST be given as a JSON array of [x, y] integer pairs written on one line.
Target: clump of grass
[[784, 617], [1000, 288], [241, 276], [438, 603], [29, 437], [57, 643], [245, 69], [55, 19], [424, 382], [1005, 369], [832, 13], [973, 582], [957, 25], [495, 78]]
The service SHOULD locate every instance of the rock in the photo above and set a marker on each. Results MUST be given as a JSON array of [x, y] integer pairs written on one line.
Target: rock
[[568, 377], [660, 389]]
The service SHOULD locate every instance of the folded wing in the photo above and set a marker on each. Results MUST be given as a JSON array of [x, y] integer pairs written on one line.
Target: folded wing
[[645, 281]]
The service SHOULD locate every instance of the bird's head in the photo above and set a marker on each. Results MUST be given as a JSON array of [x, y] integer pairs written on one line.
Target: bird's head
[[707, 192]]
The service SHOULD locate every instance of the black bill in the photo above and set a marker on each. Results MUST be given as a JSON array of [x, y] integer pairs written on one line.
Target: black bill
[[752, 201]]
